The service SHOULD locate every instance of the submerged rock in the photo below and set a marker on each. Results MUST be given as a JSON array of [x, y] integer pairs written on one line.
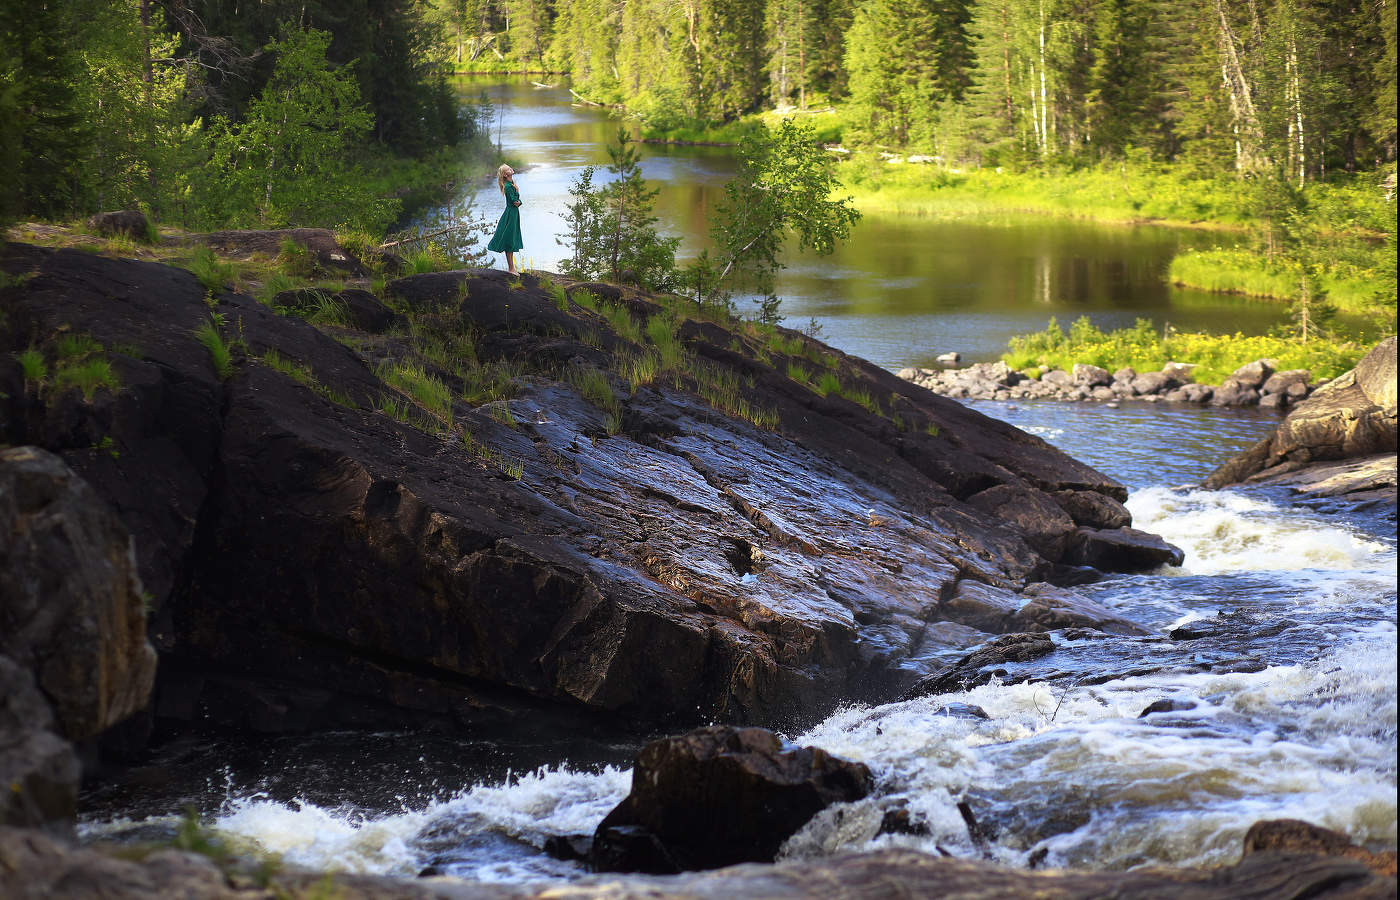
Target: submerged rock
[[983, 664], [719, 796]]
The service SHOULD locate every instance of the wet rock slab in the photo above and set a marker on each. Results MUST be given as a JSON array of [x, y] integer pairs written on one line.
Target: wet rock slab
[[314, 562]]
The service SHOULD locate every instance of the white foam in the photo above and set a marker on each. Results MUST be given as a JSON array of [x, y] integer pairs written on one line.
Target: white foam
[[1315, 742], [1227, 531], [530, 808]]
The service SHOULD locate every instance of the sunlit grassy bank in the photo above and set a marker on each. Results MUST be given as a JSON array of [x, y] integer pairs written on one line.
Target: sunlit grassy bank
[[1144, 347]]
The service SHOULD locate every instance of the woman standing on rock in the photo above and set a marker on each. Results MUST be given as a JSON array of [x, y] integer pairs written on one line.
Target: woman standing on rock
[[507, 237]]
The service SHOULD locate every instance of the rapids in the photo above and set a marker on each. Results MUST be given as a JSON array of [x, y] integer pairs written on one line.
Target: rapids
[[1287, 708]]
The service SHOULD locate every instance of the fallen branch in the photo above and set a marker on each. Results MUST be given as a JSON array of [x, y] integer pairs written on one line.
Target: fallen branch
[[432, 234], [583, 99]]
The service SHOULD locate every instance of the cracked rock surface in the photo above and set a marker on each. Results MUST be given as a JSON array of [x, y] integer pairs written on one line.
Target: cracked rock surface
[[315, 561]]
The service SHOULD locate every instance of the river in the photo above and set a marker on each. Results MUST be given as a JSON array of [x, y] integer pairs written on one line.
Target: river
[[902, 289], [1292, 716]]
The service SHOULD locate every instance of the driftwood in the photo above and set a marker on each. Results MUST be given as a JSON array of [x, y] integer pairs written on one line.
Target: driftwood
[[582, 99], [413, 239]]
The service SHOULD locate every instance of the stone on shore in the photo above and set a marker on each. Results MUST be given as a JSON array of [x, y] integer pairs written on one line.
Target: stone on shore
[[1340, 442], [1091, 376], [129, 222]]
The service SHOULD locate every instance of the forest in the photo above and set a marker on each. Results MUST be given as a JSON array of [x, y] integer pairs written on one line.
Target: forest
[[1297, 87], [215, 113]]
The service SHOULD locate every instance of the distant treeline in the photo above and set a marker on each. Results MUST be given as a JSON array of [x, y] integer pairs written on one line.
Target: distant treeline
[[1294, 87], [217, 110]]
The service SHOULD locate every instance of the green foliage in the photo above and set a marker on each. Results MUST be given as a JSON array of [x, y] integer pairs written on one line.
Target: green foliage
[[720, 387], [798, 373], [290, 159], [426, 389], [274, 284], [782, 189], [612, 230], [861, 397], [639, 369], [620, 318], [327, 310], [425, 259], [208, 335], [828, 384], [87, 376], [593, 386], [212, 272], [662, 332], [512, 468], [32, 366], [1145, 348]]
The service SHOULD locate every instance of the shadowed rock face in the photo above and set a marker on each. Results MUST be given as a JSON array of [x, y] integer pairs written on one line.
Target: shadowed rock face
[[318, 563]]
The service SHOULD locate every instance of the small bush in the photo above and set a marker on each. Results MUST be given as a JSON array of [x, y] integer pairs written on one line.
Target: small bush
[[208, 335], [428, 259], [211, 271]]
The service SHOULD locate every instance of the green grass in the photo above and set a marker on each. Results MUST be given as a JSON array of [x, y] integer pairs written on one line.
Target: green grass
[[427, 259], [828, 384], [327, 310], [295, 260], [586, 299], [593, 386], [32, 365], [274, 284], [861, 397], [484, 384], [798, 373], [208, 335], [303, 374], [620, 318], [663, 332], [87, 376], [557, 292], [719, 387], [1354, 283], [429, 392], [639, 369], [511, 467], [1144, 348], [211, 271], [931, 430]]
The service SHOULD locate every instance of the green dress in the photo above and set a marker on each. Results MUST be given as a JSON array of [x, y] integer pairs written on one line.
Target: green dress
[[507, 236]]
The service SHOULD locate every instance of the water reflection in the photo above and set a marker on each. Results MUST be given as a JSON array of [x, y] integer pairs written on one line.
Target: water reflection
[[902, 289]]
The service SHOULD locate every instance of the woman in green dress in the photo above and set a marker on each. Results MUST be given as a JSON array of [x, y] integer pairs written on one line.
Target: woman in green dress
[[507, 236]]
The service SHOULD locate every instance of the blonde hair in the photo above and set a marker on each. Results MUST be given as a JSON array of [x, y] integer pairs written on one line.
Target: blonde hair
[[501, 174]]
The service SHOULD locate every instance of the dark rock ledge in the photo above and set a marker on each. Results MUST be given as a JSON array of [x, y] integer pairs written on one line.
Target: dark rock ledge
[[314, 562]]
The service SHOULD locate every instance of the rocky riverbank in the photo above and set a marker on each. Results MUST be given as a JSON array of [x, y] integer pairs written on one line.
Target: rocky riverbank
[[1340, 443], [1255, 384], [475, 502]]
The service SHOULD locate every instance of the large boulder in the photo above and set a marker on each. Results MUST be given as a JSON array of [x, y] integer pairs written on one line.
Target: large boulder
[[649, 554], [1352, 417], [719, 796], [71, 605], [129, 222]]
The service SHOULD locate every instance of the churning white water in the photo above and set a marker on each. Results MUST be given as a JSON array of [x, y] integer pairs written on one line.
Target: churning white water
[[1288, 712]]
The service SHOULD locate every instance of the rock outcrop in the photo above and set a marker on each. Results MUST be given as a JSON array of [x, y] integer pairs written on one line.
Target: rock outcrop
[[1340, 442], [74, 660], [324, 546], [719, 796]]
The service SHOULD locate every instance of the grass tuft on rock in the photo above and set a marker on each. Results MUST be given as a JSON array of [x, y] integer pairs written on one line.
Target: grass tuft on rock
[[208, 335]]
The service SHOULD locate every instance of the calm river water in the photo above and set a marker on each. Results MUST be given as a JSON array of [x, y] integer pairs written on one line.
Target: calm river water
[[1064, 769], [902, 289]]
